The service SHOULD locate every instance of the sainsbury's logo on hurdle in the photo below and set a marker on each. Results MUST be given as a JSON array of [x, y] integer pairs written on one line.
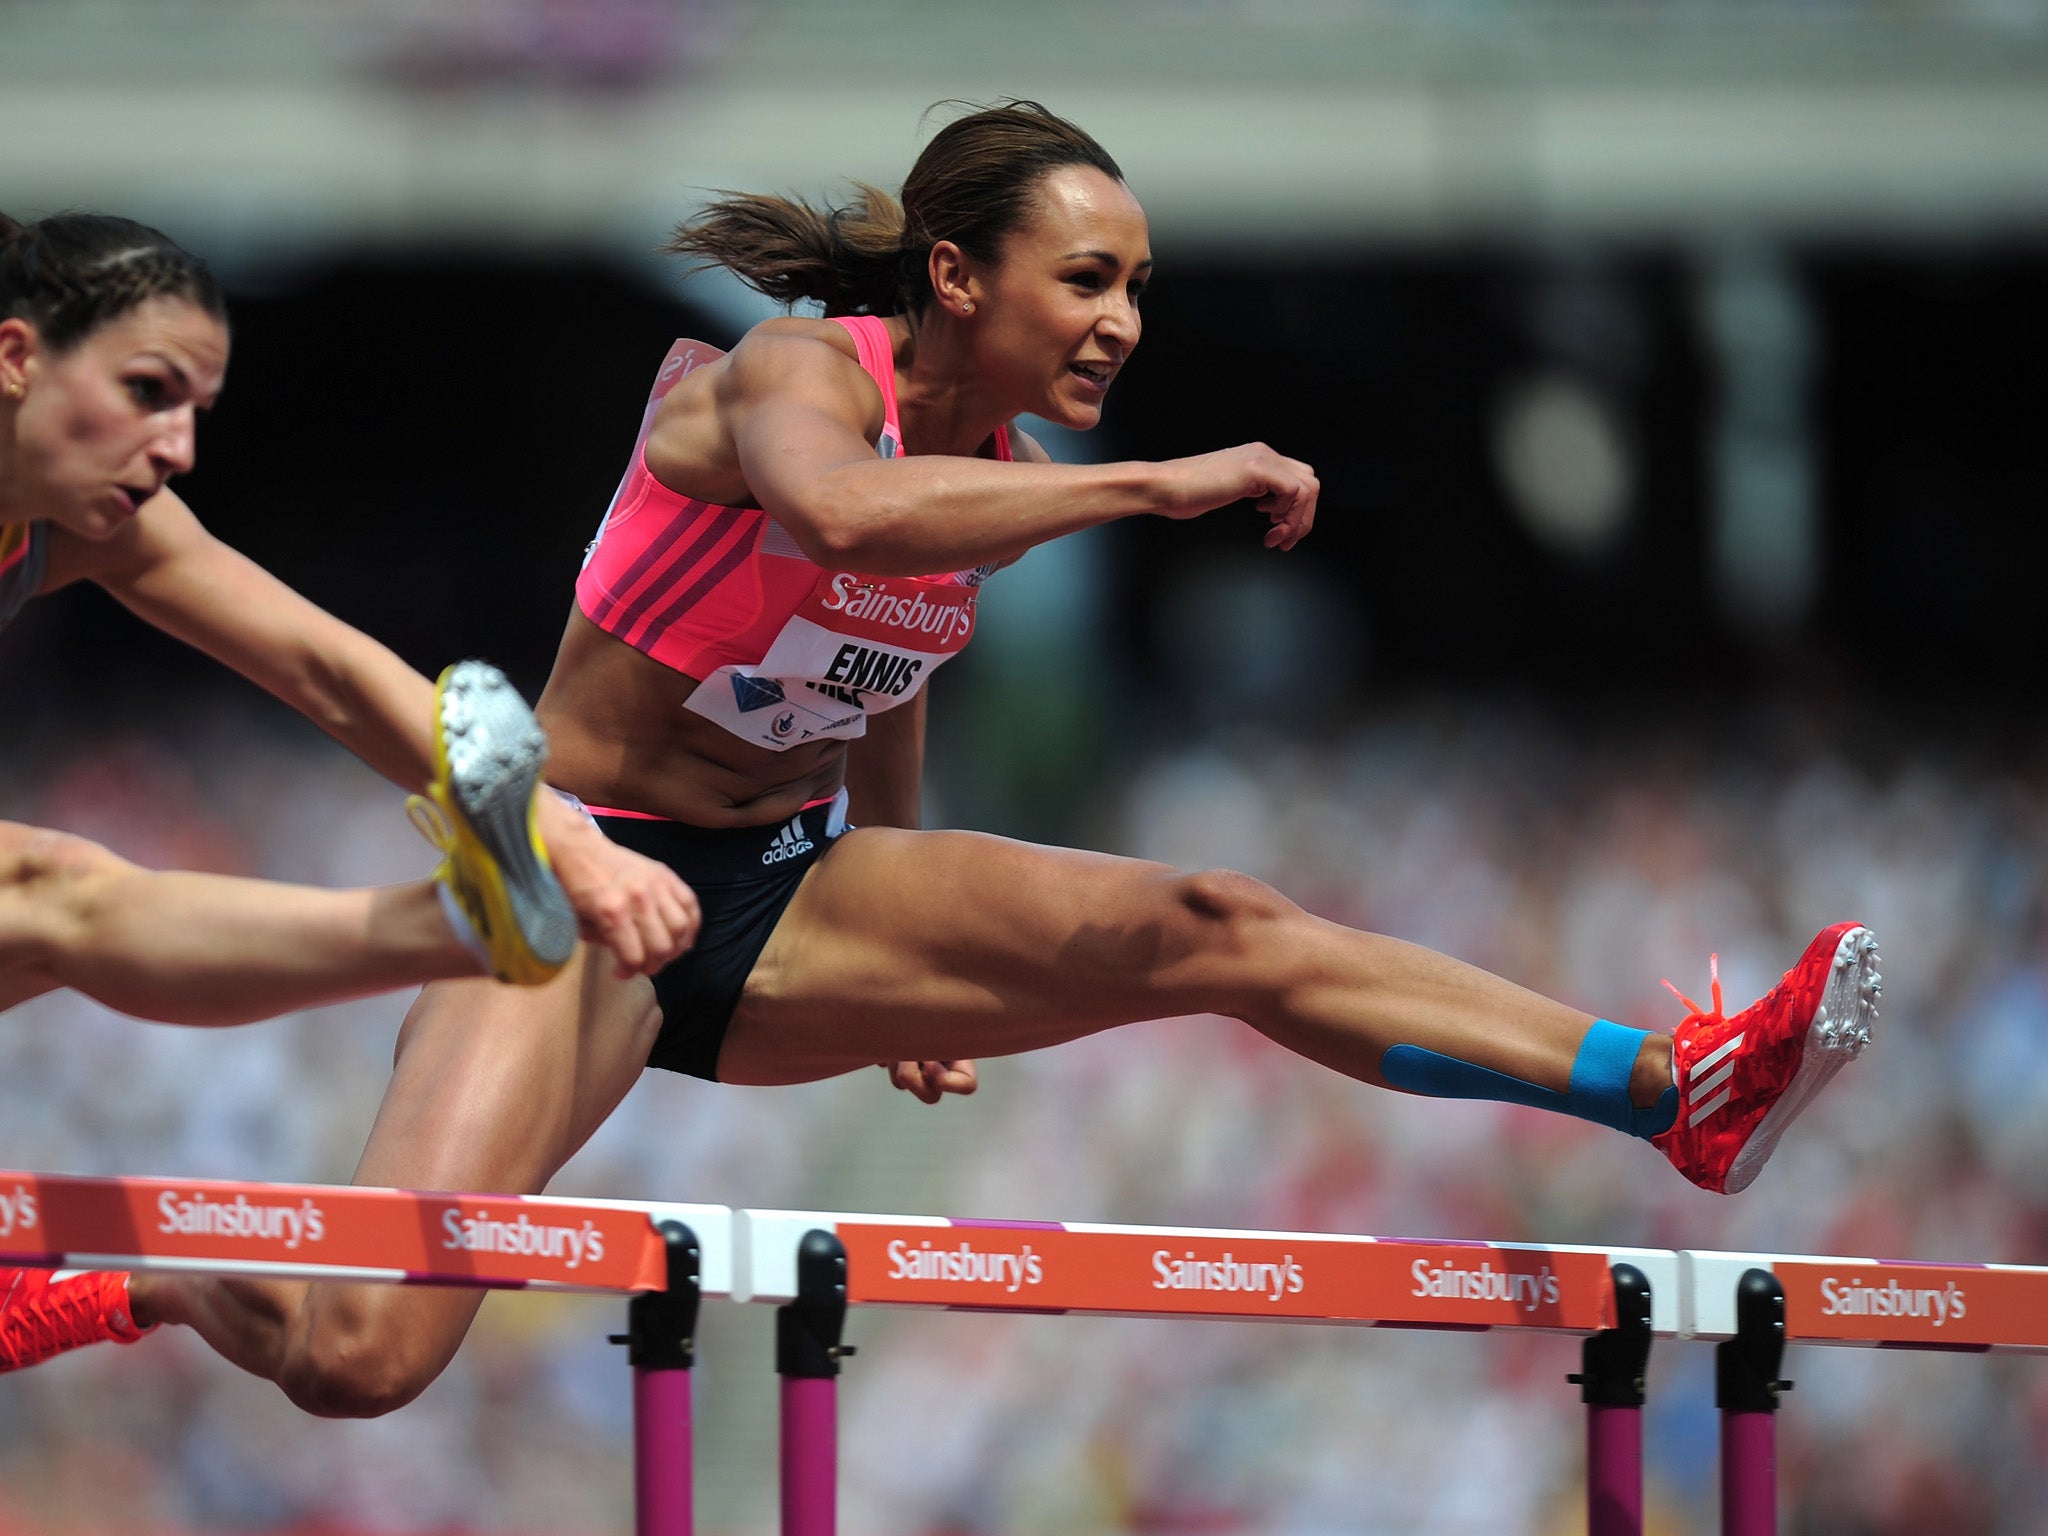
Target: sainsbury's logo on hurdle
[[1850, 1298], [966, 1264], [17, 1210], [574, 1246], [1270, 1278], [196, 1216], [1450, 1283]]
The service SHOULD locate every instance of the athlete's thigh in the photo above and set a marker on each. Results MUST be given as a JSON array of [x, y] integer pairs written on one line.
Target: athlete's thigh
[[37, 868], [919, 945], [494, 1088]]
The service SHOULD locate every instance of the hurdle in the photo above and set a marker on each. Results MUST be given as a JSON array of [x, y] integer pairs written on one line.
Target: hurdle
[[1755, 1304], [665, 1256], [1750, 1305], [814, 1267]]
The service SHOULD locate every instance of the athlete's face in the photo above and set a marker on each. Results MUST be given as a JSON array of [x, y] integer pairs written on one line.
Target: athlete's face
[[1062, 309], [101, 426]]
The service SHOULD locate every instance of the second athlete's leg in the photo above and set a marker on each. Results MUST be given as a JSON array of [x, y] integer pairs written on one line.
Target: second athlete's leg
[[494, 1089], [188, 948]]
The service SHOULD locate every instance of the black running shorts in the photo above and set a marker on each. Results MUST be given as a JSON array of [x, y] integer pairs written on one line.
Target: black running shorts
[[744, 877]]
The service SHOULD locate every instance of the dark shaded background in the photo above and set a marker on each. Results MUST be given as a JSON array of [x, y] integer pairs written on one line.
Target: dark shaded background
[[424, 446]]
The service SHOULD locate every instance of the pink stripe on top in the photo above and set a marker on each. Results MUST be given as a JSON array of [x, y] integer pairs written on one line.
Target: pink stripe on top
[[785, 651]]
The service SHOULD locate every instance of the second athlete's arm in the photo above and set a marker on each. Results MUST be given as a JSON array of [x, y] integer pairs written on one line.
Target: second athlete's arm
[[168, 570]]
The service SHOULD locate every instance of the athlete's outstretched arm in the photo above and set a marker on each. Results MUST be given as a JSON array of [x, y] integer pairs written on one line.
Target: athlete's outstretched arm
[[167, 569], [800, 413]]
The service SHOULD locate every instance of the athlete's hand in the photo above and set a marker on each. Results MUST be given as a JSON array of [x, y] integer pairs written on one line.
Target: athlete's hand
[[930, 1081], [1284, 489], [637, 908]]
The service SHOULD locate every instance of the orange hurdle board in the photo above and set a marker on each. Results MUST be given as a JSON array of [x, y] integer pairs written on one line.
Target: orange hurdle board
[[1889, 1304], [1062, 1267], [330, 1232]]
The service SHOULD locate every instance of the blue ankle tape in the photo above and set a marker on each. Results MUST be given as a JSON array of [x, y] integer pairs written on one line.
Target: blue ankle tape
[[1598, 1091], [1600, 1074]]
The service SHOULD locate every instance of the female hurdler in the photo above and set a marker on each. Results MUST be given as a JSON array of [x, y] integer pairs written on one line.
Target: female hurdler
[[741, 682], [112, 340]]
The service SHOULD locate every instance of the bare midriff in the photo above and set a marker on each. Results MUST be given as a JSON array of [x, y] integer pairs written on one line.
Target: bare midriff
[[620, 736]]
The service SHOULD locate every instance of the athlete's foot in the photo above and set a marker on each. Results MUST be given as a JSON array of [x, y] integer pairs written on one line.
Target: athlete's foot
[[1742, 1081], [488, 754], [45, 1312]]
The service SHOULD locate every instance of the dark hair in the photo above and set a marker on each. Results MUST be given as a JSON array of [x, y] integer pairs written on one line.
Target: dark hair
[[972, 186], [72, 272]]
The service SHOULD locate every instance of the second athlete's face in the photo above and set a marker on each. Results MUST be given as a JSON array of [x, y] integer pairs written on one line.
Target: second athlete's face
[[1062, 309], [105, 424]]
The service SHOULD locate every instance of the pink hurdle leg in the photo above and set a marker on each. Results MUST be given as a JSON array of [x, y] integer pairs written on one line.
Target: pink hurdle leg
[[660, 1342], [810, 1452], [1746, 1388], [1612, 1383], [1749, 1474], [1614, 1471], [663, 1497], [807, 1356]]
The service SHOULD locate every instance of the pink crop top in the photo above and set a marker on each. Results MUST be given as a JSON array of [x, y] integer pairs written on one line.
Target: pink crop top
[[785, 651]]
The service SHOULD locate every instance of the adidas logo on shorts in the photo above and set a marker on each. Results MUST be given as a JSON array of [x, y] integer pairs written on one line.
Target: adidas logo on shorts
[[789, 842]]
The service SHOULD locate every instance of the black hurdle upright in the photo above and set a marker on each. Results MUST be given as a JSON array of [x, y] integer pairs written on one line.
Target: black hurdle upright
[[1746, 1388], [807, 1356], [661, 1346], [1614, 1372]]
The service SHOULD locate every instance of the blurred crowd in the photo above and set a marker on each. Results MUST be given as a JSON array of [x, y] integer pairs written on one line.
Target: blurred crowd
[[1588, 859]]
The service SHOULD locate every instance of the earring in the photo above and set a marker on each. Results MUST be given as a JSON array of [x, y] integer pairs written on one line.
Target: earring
[[14, 391], [967, 308]]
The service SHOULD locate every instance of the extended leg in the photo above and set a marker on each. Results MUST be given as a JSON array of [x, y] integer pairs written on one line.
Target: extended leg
[[987, 946], [914, 946], [188, 948]]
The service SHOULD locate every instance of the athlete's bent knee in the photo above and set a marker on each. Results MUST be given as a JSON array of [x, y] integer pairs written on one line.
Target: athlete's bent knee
[[1240, 933], [1230, 901], [38, 856], [51, 883], [349, 1372]]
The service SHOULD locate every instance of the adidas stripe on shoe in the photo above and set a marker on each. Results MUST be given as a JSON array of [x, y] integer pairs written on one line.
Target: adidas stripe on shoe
[[1742, 1081]]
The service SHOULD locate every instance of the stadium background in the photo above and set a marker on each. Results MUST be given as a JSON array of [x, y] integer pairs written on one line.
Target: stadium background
[[1670, 373]]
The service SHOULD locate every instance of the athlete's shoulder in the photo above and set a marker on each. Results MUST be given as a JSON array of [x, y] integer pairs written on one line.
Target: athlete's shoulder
[[793, 356], [782, 338]]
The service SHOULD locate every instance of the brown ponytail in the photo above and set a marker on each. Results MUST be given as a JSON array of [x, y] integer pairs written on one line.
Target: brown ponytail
[[972, 185], [851, 258], [73, 272]]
